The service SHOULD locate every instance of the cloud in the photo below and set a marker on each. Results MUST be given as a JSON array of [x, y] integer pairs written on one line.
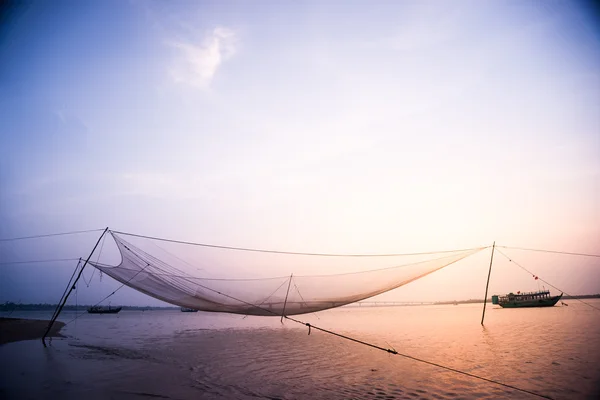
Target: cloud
[[198, 64]]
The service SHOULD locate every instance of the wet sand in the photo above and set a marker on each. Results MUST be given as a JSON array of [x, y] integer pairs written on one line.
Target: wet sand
[[16, 329]]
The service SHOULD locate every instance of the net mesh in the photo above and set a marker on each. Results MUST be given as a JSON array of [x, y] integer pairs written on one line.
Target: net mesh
[[185, 280]]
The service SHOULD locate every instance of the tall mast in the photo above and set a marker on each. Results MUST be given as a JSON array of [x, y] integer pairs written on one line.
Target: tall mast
[[488, 282]]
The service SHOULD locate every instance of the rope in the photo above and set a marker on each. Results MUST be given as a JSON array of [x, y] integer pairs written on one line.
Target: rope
[[214, 246], [50, 234], [176, 257], [38, 261], [552, 251], [390, 351], [115, 291], [269, 296], [83, 313], [87, 284], [67, 288], [122, 284], [189, 279], [97, 259], [396, 353], [304, 301], [62, 304], [546, 282]]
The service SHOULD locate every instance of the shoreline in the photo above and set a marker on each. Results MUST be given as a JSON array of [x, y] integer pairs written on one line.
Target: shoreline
[[19, 329]]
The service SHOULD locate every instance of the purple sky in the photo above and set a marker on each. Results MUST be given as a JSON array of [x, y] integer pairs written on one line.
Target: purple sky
[[315, 126]]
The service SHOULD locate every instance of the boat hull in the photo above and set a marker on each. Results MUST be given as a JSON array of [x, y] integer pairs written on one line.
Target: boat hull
[[549, 302], [104, 311]]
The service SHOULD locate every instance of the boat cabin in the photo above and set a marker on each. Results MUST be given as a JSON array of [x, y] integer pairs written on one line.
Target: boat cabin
[[521, 297]]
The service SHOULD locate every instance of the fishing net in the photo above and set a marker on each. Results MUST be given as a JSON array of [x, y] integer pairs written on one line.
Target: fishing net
[[196, 276]]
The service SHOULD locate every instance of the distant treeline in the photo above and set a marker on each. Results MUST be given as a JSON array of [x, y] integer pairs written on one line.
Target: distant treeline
[[582, 296], [9, 306], [460, 301]]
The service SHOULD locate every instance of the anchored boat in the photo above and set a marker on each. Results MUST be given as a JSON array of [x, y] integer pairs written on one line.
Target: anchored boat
[[185, 309], [103, 310], [530, 299]]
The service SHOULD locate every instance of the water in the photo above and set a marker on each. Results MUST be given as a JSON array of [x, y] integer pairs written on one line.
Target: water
[[169, 354]]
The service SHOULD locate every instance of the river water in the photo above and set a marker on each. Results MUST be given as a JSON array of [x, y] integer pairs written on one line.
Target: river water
[[173, 355]]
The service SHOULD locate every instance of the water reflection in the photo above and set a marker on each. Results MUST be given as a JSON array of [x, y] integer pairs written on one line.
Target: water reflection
[[191, 355]]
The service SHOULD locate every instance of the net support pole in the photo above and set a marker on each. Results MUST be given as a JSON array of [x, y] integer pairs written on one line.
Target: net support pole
[[286, 297], [68, 286], [488, 282], [64, 300]]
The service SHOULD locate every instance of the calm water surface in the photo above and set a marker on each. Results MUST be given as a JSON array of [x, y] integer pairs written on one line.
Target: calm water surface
[[174, 355]]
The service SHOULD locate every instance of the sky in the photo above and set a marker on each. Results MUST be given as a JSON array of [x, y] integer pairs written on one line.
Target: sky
[[355, 127]]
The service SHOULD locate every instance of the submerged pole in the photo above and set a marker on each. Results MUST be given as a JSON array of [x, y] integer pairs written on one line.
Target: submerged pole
[[57, 312], [488, 282], [286, 297]]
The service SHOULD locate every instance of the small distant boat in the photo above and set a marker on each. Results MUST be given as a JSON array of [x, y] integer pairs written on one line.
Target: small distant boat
[[185, 309], [103, 310], [530, 299]]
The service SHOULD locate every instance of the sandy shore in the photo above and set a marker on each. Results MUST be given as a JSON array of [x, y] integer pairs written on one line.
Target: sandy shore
[[16, 329]]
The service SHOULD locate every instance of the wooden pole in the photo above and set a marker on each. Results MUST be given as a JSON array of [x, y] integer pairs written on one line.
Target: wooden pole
[[72, 287], [488, 283], [69, 285], [286, 297]]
